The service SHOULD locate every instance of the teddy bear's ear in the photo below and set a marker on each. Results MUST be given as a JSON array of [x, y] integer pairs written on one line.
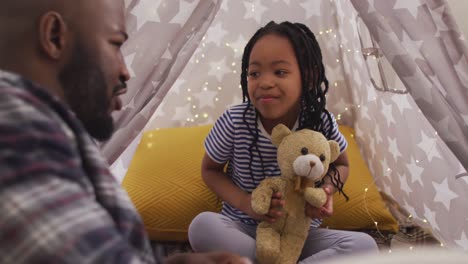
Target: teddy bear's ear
[[279, 132], [334, 150]]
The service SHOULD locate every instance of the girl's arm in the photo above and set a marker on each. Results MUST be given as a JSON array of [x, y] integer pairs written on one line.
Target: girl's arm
[[214, 177], [342, 165]]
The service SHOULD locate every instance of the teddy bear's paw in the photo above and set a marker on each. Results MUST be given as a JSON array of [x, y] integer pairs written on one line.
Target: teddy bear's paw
[[260, 203], [315, 196], [267, 255]]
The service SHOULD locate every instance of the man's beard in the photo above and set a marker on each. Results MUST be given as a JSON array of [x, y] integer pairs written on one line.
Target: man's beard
[[86, 93]]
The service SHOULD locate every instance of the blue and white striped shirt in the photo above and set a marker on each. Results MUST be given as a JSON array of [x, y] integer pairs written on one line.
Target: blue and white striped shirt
[[229, 141]]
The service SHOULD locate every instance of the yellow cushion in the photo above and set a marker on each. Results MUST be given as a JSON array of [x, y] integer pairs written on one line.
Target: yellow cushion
[[164, 182], [353, 215]]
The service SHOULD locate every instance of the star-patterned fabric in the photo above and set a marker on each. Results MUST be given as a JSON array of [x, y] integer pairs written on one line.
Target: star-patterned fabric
[[163, 36], [409, 134]]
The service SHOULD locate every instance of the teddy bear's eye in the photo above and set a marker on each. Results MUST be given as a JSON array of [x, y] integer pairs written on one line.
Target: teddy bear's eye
[[322, 157], [304, 151]]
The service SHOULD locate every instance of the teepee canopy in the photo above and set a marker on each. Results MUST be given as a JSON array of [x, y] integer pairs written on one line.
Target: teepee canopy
[[398, 74]]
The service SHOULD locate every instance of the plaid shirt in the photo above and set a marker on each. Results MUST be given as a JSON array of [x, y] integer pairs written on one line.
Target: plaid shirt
[[59, 202]]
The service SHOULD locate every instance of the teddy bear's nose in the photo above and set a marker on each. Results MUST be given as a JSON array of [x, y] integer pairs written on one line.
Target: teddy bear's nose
[[312, 163]]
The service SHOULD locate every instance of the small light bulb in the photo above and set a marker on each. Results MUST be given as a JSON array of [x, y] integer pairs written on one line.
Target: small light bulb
[[366, 189]]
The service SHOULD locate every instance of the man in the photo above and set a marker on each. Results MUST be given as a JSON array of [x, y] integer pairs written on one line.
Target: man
[[61, 76]]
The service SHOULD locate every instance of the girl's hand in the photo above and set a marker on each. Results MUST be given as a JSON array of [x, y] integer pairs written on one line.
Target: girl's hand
[[326, 210], [273, 214]]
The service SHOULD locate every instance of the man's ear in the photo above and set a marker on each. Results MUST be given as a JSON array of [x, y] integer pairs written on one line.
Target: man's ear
[[52, 35]]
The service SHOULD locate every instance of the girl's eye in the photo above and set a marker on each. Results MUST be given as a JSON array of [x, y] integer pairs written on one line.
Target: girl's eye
[[322, 157], [304, 151], [254, 74], [281, 73]]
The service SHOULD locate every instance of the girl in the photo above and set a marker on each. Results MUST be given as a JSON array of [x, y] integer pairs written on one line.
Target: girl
[[283, 81]]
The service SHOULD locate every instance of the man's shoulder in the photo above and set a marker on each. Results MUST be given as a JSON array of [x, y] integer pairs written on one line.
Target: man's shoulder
[[21, 107], [27, 120], [32, 137]]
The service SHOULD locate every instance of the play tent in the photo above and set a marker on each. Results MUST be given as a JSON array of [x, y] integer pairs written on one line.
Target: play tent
[[398, 73]]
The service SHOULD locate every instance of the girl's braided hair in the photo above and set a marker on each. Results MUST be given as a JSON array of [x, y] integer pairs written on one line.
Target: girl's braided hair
[[313, 79]]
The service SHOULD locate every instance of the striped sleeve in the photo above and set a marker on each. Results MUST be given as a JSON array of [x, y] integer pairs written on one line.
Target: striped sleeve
[[219, 142], [331, 131]]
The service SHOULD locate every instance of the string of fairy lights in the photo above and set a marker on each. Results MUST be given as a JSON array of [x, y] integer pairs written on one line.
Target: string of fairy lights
[[200, 116]]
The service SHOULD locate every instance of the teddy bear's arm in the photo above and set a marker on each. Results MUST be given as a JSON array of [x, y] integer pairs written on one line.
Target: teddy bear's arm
[[261, 196], [315, 196]]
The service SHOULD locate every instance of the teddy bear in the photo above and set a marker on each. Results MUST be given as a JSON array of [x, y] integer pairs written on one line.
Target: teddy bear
[[303, 157]]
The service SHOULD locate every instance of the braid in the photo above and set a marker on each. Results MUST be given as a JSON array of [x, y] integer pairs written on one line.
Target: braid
[[313, 79], [254, 134]]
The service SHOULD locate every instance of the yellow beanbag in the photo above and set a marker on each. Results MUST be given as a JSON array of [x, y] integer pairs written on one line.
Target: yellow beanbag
[[164, 182]]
